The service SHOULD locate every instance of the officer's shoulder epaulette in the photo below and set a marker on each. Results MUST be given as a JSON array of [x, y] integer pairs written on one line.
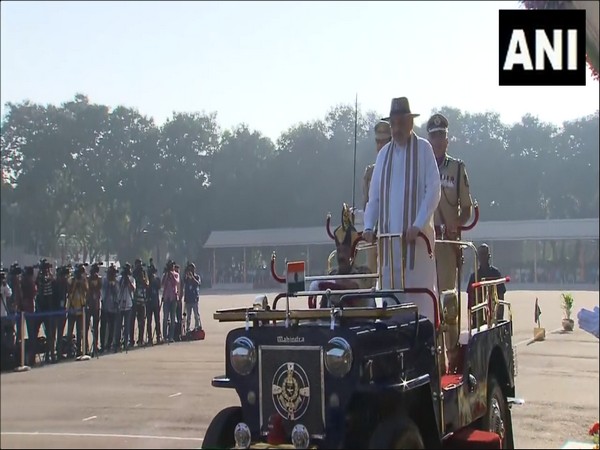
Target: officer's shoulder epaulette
[[453, 160]]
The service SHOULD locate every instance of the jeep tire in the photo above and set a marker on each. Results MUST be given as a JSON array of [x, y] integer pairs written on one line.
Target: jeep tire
[[497, 416], [396, 432], [220, 431]]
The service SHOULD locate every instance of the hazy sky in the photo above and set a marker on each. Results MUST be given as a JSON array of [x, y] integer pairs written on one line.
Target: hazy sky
[[269, 64]]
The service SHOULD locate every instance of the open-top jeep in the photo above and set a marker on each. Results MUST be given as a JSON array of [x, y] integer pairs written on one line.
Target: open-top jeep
[[345, 376]]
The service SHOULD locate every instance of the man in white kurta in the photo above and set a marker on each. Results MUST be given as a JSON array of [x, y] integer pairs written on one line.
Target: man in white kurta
[[403, 196]]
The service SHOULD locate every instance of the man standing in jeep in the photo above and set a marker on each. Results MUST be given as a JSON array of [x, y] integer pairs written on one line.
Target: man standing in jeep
[[453, 212]]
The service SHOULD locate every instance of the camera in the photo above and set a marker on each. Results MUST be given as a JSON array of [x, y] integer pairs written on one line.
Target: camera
[[96, 267], [190, 268], [64, 271], [126, 271], [15, 269], [80, 270], [111, 271], [42, 265], [169, 266]]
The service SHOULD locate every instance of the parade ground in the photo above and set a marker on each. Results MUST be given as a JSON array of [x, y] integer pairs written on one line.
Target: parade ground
[[161, 397]]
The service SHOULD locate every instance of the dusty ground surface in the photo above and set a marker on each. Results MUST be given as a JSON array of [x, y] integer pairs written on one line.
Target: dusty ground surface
[[161, 397]]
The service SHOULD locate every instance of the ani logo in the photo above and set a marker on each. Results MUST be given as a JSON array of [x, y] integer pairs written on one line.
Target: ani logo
[[291, 391]]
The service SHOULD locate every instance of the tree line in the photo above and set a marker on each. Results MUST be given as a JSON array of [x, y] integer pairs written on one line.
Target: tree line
[[112, 181]]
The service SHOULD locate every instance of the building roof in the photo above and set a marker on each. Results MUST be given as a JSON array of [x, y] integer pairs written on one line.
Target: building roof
[[483, 231]]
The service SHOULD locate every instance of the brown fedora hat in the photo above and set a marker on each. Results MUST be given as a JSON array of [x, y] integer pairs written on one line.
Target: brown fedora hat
[[400, 106]]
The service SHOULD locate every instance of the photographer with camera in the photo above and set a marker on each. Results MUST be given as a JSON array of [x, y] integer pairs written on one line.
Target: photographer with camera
[[78, 292], [179, 309], [126, 288], [139, 304], [170, 284], [15, 282], [110, 309], [5, 293], [44, 287], [153, 304], [7, 336], [29, 291], [93, 306], [192, 296], [60, 291]]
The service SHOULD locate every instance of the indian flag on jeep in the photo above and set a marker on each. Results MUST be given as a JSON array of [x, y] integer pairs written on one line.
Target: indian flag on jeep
[[295, 277]]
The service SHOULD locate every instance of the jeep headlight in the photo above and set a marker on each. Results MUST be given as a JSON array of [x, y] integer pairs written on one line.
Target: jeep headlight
[[338, 357], [243, 355]]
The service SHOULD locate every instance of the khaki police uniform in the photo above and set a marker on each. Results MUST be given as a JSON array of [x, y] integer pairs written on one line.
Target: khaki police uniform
[[455, 197], [383, 131]]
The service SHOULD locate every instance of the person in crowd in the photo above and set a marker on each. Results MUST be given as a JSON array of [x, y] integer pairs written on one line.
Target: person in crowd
[[8, 355], [139, 303], [15, 276], [110, 309], [153, 304], [93, 307], [5, 294], [192, 296], [78, 293], [179, 310], [126, 289], [44, 306], [60, 296], [27, 306], [170, 285]]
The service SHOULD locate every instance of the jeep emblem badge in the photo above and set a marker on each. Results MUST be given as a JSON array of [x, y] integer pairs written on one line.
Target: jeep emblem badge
[[291, 391]]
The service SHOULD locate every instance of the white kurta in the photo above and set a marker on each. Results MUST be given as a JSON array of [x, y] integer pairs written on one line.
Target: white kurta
[[394, 209]]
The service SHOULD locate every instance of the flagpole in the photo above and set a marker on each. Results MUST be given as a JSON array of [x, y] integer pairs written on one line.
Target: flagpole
[[354, 167]]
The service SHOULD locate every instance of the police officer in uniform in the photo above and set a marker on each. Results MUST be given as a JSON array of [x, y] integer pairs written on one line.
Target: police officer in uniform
[[383, 135], [454, 210]]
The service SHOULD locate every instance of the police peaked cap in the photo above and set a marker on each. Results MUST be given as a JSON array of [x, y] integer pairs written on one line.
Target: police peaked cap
[[437, 122]]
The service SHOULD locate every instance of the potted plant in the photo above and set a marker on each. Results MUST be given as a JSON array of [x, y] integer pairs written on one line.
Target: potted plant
[[567, 306]]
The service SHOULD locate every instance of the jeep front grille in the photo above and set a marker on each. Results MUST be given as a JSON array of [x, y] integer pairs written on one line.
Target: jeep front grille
[[292, 386]]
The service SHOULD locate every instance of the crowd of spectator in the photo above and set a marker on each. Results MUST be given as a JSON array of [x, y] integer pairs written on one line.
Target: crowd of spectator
[[104, 309]]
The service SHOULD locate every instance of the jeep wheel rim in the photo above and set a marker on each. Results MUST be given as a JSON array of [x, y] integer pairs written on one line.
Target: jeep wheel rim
[[496, 419]]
